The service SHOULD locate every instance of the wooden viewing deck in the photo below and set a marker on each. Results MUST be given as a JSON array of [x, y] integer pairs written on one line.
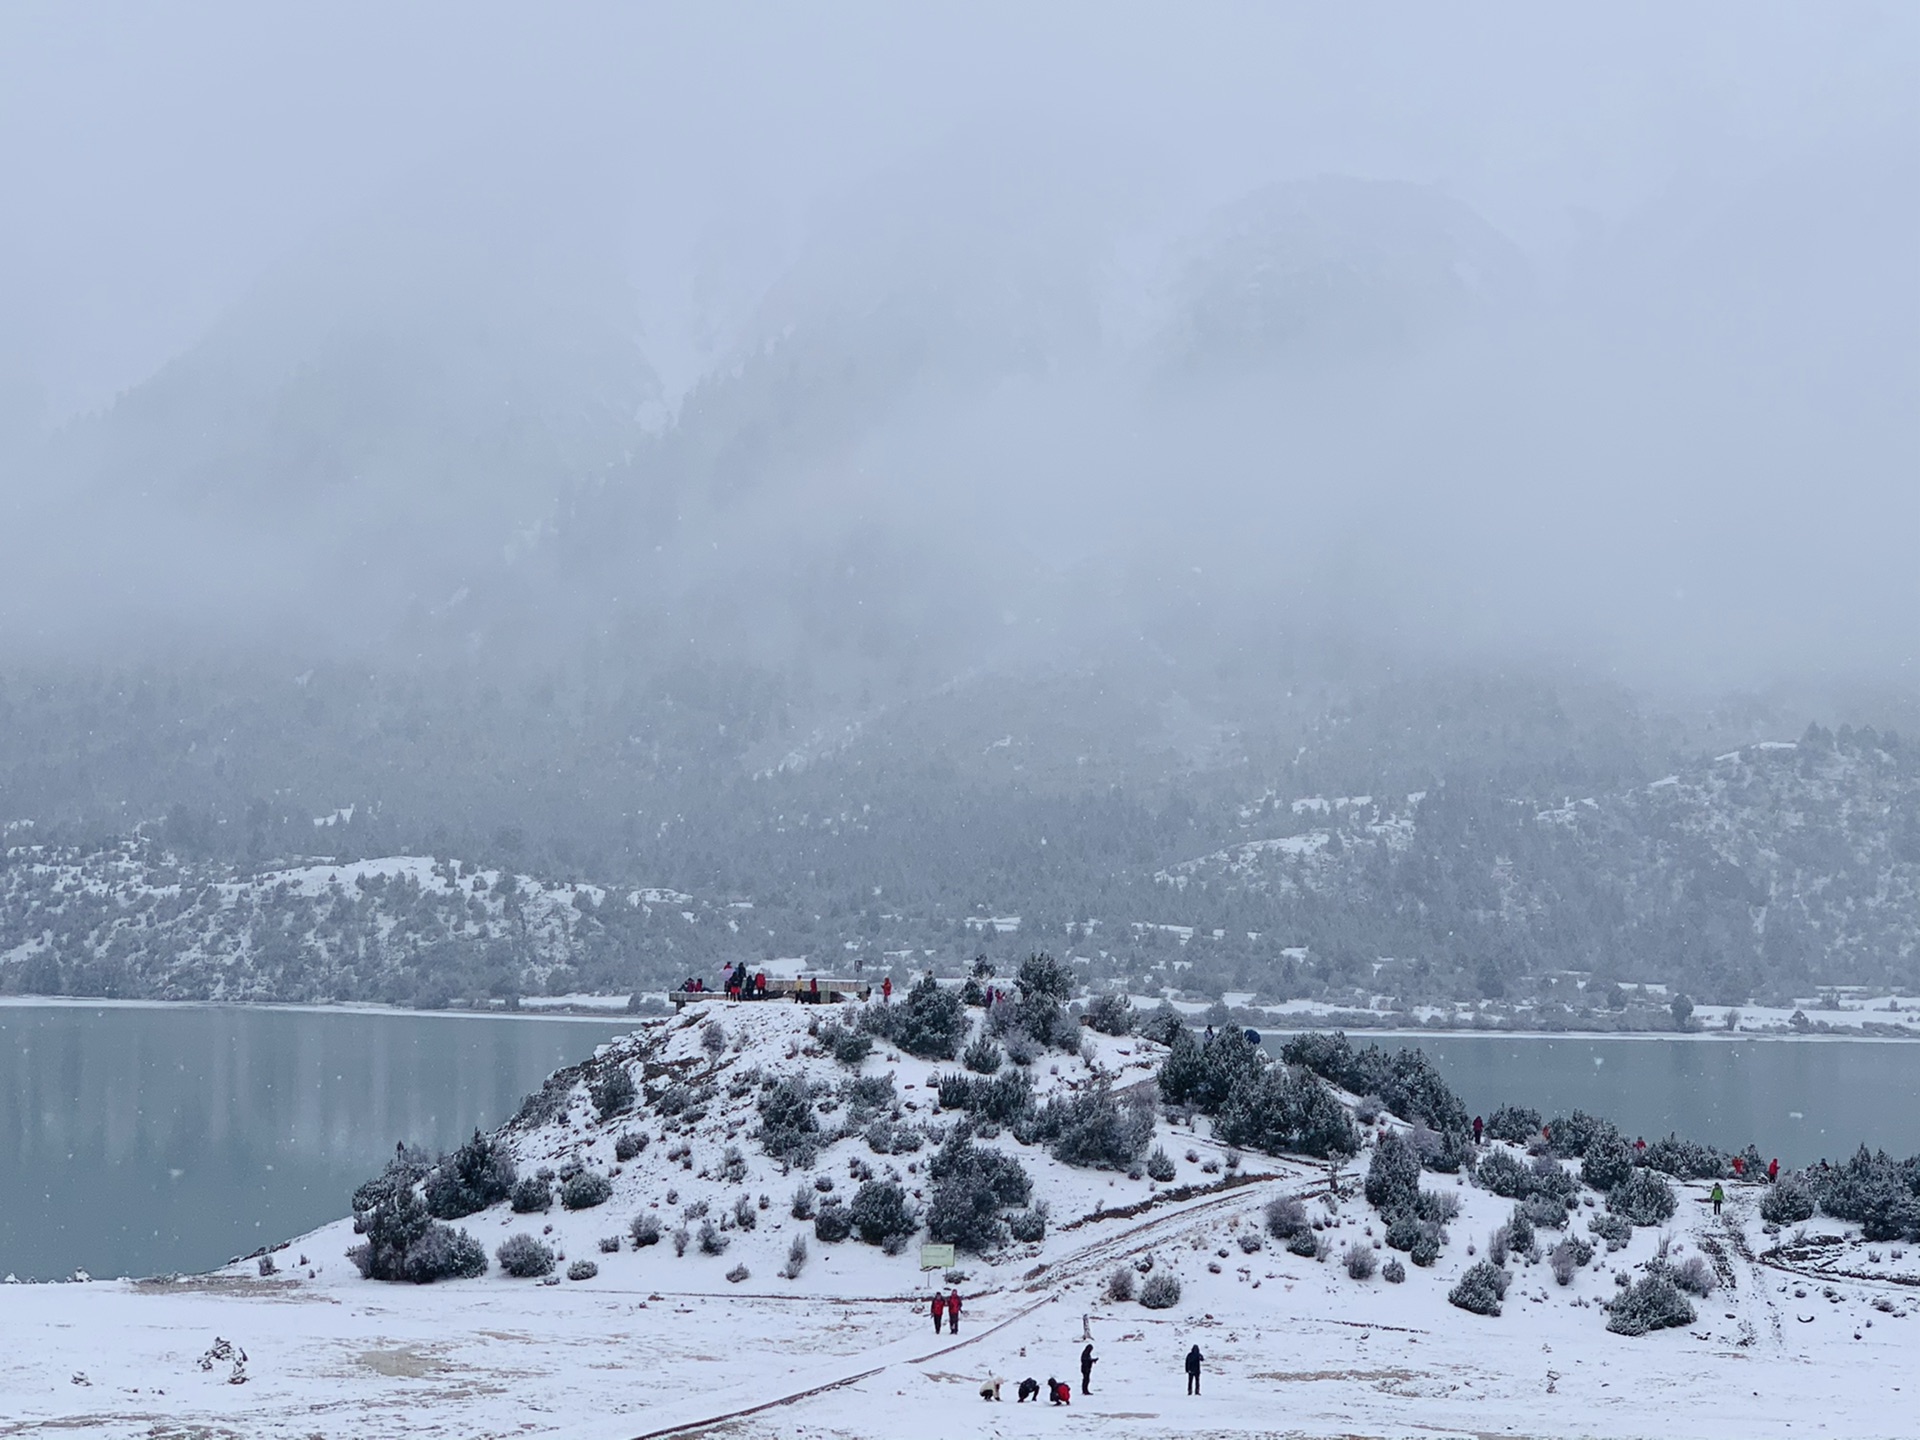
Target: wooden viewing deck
[[832, 992]]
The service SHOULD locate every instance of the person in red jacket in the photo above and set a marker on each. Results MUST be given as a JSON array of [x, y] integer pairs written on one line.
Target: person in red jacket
[[760, 984], [1773, 1170], [939, 1310], [1739, 1166], [1059, 1393], [953, 1312], [886, 990]]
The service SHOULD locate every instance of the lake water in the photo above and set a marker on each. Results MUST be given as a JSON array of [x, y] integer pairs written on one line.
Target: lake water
[[139, 1140], [1797, 1099], [136, 1140]]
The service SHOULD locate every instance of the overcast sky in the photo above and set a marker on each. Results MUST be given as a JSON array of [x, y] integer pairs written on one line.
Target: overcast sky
[[156, 159]]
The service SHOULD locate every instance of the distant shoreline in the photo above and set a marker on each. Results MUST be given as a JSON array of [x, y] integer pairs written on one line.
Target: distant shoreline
[[1286, 1026]]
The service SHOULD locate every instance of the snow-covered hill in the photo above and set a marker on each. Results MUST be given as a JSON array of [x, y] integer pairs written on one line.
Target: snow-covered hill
[[746, 1342]]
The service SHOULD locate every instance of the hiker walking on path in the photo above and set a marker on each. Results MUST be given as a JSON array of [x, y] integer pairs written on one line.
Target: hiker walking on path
[[953, 1312], [1193, 1371], [939, 1310], [1087, 1361], [1717, 1197]]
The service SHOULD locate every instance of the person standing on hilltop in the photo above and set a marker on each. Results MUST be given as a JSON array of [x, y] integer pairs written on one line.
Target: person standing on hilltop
[[1478, 1126], [886, 990], [1193, 1370], [1087, 1361]]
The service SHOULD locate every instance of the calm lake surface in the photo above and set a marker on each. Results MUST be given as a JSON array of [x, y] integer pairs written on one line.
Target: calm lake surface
[[140, 1140], [1797, 1099]]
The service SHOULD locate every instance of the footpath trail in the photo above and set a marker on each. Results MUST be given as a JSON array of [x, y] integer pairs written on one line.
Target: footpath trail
[[1097, 1253]]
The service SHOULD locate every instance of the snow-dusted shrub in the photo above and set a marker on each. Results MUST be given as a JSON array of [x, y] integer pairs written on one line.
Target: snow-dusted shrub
[[1393, 1272], [1438, 1206], [1608, 1160], [1003, 1099], [832, 1224], [1393, 1175], [1121, 1283], [802, 1207], [586, 1190], [1504, 1175], [1499, 1245], [738, 1273], [929, 1023], [1516, 1124], [711, 1241], [1563, 1262], [443, 1253], [1161, 1291], [1405, 1080], [628, 1144], [1204, 1074], [1481, 1289], [1112, 1015], [1643, 1198], [1091, 1129], [1367, 1109], [1022, 1049], [848, 1047], [1694, 1275], [733, 1165], [1684, 1159], [1285, 1109], [1029, 1227], [524, 1257], [612, 1091], [680, 1240], [796, 1259], [1543, 1212], [971, 1185], [981, 1056], [1286, 1217], [267, 1267], [1570, 1136], [1787, 1203], [713, 1039], [609, 1244], [1249, 1241], [1653, 1303], [880, 1211], [1615, 1231], [744, 1214], [473, 1177], [1160, 1165], [1873, 1191], [1305, 1243], [583, 1269], [1519, 1229], [789, 1129], [1361, 1262]]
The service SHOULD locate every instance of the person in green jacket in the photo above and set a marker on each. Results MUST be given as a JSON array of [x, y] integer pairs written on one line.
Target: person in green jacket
[[1717, 1196]]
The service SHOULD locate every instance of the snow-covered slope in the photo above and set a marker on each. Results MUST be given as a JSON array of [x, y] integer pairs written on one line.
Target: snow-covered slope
[[657, 1343]]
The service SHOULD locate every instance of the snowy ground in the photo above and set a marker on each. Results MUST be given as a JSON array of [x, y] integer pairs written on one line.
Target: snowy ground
[[658, 1343]]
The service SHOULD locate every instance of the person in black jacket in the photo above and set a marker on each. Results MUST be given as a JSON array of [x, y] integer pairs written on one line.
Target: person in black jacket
[[1193, 1371], [1087, 1361]]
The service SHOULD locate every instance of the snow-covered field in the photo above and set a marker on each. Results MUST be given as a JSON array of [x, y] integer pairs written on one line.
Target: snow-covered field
[[658, 1342]]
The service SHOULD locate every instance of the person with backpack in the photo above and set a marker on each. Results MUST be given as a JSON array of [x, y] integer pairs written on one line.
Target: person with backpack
[[1717, 1197], [953, 1311], [1087, 1361], [1193, 1370], [939, 1310], [1773, 1171], [1058, 1393]]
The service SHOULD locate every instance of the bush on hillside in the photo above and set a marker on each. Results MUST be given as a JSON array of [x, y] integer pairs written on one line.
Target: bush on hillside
[[1286, 1217], [1405, 1080], [1516, 1124], [1653, 1303], [1203, 1075], [477, 1175], [1003, 1098], [789, 1129], [833, 1224], [1570, 1136], [586, 1189], [1644, 1198], [1504, 1175], [1608, 1160], [1361, 1262], [1112, 1015], [531, 1195], [1160, 1165], [444, 1253], [972, 1184], [1873, 1191], [1161, 1291], [612, 1091], [1481, 1289], [628, 1144], [1543, 1212], [1393, 1272], [930, 1023], [1029, 1227], [524, 1257], [645, 1229], [1161, 1024], [1121, 1284], [1684, 1159], [710, 1240], [981, 1056], [1393, 1175], [1285, 1109], [880, 1212], [1789, 1202], [1612, 1229], [402, 1240], [1091, 1129]]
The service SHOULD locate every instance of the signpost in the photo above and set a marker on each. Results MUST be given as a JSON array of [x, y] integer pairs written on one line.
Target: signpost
[[936, 1257]]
